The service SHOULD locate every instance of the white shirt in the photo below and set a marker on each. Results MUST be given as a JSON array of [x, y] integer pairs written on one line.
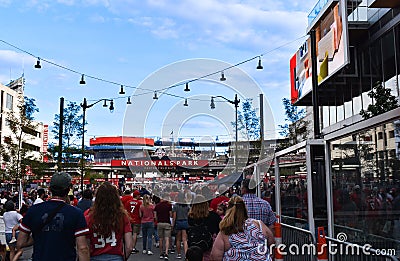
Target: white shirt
[[11, 218], [37, 201]]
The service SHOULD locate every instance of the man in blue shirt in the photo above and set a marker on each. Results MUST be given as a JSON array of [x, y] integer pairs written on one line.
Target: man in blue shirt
[[60, 237], [257, 208]]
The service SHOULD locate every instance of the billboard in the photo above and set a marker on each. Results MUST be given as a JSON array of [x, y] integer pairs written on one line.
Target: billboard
[[332, 50]]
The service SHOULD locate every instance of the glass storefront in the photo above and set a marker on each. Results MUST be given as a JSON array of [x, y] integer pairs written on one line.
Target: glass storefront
[[365, 169], [377, 62]]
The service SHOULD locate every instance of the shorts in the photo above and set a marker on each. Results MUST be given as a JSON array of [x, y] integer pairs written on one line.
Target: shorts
[[164, 230], [106, 257], [8, 238], [181, 224], [136, 228]]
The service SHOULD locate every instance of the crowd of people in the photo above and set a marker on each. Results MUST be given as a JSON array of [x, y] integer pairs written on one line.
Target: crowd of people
[[105, 222]]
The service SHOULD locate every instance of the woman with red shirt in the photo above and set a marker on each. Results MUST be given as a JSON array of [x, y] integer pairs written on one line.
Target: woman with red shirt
[[110, 231]]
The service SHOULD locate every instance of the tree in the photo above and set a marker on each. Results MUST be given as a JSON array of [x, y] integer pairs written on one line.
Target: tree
[[297, 128], [384, 101], [248, 121], [72, 130], [16, 152]]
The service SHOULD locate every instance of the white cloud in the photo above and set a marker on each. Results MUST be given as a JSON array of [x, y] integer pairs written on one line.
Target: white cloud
[[15, 58], [5, 3]]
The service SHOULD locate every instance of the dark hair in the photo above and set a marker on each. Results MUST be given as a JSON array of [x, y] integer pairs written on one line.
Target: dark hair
[[56, 191], [40, 192], [23, 209], [108, 212], [194, 253], [9, 206], [250, 186], [87, 193]]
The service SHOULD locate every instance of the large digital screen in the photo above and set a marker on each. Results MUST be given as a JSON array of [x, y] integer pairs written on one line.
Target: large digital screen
[[332, 50]]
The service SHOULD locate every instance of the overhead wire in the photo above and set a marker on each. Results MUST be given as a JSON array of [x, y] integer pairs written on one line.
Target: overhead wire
[[162, 90]]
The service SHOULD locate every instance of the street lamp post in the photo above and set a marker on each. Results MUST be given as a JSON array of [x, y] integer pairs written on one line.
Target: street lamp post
[[85, 106], [235, 102]]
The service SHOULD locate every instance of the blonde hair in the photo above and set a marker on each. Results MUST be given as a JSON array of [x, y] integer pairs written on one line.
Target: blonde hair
[[146, 200], [199, 208], [235, 216]]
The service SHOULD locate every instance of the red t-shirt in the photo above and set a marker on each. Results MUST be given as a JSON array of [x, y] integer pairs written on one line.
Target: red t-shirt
[[112, 245], [147, 213], [132, 205], [163, 212], [215, 202]]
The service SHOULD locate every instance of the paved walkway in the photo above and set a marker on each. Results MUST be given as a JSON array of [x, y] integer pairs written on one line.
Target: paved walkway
[[144, 257]]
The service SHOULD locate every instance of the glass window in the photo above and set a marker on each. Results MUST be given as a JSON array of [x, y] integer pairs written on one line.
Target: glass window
[[340, 113], [325, 116], [348, 110], [366, 187], [9, 101], [293, 171], [332, 115], [376, 62], [357, 105]]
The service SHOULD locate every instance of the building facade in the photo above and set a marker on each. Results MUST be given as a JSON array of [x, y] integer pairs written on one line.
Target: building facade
[[353, 161], [32, 139]]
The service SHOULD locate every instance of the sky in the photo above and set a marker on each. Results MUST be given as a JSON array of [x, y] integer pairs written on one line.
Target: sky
[[154, 46]]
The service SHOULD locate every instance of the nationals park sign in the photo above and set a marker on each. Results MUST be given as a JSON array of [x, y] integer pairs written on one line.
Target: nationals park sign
[[160, 163]]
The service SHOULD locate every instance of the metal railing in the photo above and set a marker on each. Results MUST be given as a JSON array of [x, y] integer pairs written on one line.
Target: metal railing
[[299, 244], [346, 251], [361, 237]]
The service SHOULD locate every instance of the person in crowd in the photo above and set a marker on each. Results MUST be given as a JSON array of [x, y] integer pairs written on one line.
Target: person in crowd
[[194, 253], [73, 201], [155, 201], [200, 220], [257, 208], [58, 229], [241, 238], [86, 201], [132, 205], [11, 219], [180, 213], [221, 209], [41, 194], [220, 197], [163, 214], [110, 231], [147, 219]]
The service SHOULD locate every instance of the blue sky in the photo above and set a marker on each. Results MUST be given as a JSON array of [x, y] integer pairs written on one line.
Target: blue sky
[[128, 42]]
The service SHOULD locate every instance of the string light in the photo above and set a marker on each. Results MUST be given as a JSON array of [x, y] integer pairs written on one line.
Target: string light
[[129, 101], [111, 106], [105, 103], [122, 90], [222, 77], [163, 90], [155, 95], [259, 66], [37, 65], [82, 79], [187, 87], [186, 103], [212, 104]]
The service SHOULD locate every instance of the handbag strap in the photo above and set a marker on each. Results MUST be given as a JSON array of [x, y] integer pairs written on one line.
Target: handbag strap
[[51, 216]]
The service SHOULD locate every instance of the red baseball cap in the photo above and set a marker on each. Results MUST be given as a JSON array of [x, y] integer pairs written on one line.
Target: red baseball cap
[[136, 193]]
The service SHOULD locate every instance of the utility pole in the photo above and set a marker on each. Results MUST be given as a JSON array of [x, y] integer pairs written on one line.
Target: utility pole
[[60, 135]]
